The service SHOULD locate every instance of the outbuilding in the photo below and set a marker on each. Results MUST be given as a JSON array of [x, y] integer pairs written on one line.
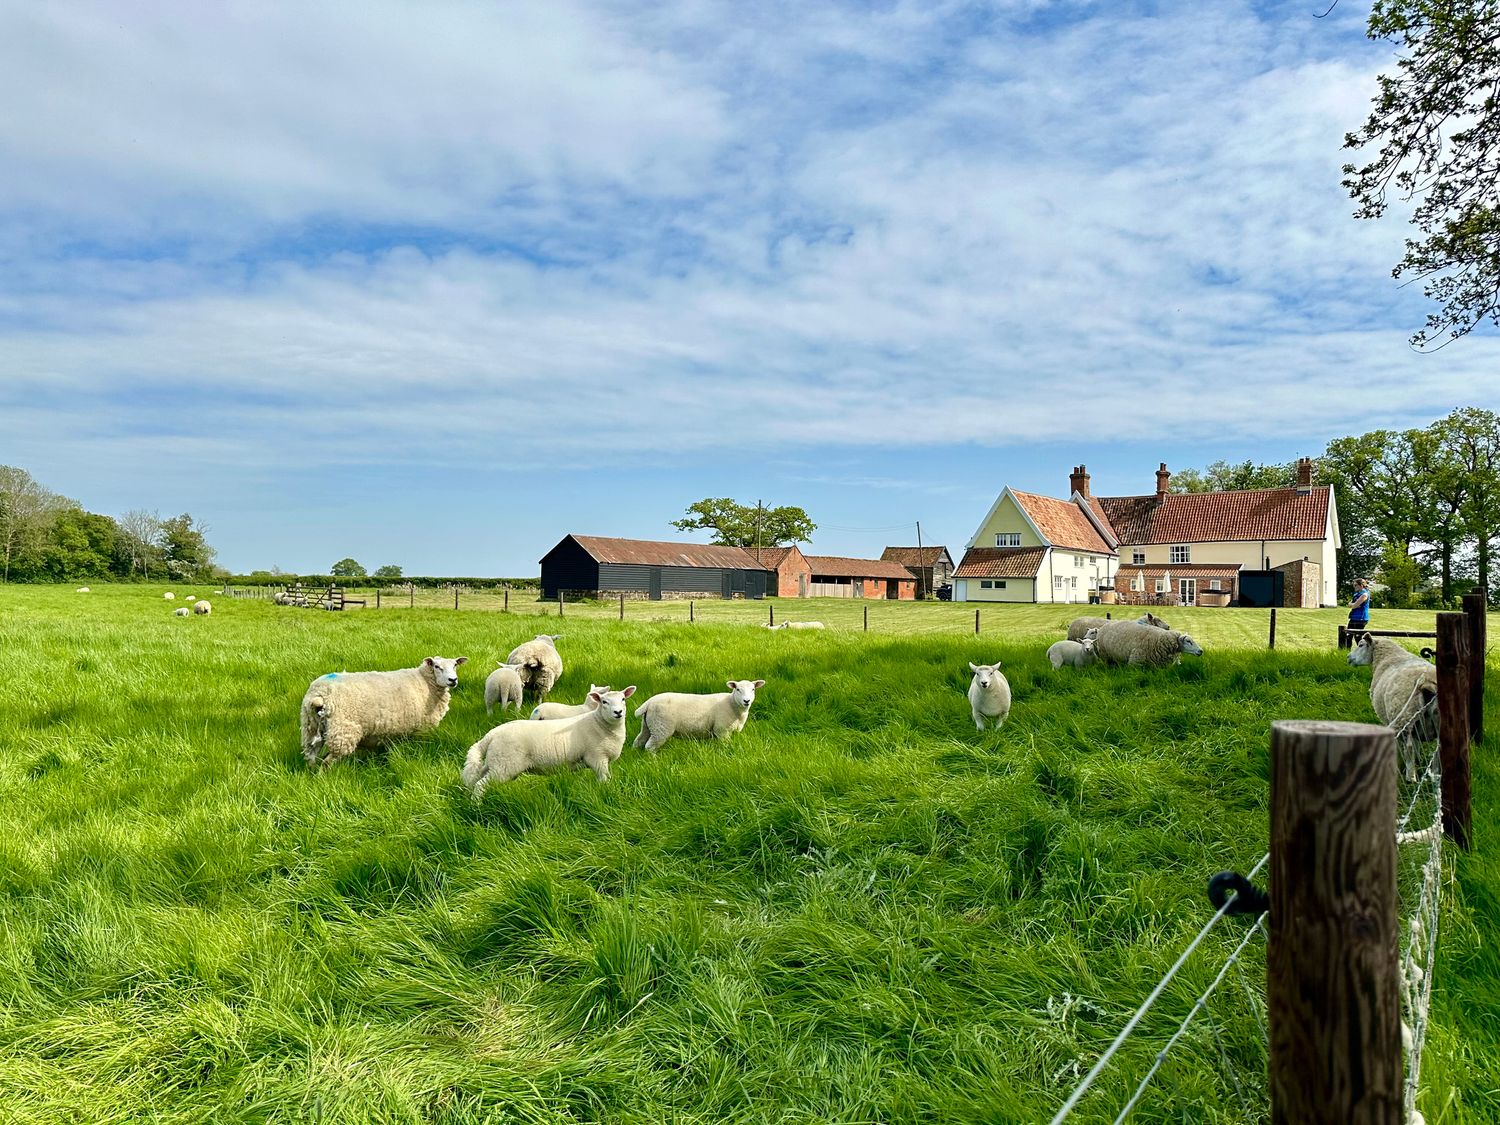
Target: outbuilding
[[593, 565]]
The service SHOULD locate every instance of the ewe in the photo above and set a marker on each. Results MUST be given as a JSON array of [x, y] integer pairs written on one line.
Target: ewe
[[343, 710], [540, 665], [1081, 625]]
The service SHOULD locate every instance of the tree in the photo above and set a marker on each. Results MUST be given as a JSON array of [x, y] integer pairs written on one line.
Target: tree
[[1437, 125], [1221, 476], [139, 540], [390, 571], [742, 525], [185, 549], [26, 513], [81, 545], [347, 568]]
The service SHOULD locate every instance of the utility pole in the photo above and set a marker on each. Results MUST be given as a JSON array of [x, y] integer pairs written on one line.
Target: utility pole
[[921, 581], [757, 530]]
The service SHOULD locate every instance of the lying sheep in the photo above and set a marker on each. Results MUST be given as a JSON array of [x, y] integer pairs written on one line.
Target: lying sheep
[[202, 608], [344, 710], [81, 590], [1081, 625], [695, 716], [540, 665], [554, 711], [1403, 687], [795, 625], [989, 694], [169, 596], [182, 612], [529, 746], [503, 686], [1080, 654], [1130, 642]]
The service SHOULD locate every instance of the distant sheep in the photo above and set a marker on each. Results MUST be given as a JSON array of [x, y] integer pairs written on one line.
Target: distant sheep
[[695, 716], [1403, 688], [183, 612], [1079, 654], [1081, 625], [169, 596], [202, 608], [795, 625], [989, 695], [503, 686], [532, 746], [551, 712], [344, 710], [540, 665], [81, 590], [1130, 642]]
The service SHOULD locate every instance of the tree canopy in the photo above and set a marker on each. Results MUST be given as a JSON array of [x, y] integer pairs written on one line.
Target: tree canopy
[[1435, 131], [744, 525], [390, 570], [347, 568]]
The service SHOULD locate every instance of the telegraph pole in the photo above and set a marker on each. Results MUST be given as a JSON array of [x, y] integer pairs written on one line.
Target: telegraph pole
[[921, 581], [757, 530]]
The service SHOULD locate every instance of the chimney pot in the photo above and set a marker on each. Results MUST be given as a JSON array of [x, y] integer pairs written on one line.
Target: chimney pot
[[1163, 479], [1304, 474], [1078, 481]]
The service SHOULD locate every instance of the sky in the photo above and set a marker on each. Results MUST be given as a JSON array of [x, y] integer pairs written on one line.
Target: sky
[[435, 285]]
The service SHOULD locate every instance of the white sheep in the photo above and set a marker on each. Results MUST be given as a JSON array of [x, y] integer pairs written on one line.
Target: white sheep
[[1130, 642], [181, 612], [282, 598], [695, 716], [531, 745], [989, 694], [1080, 654], [503, 686], [553, 711], [81, 590], [1081, 625], [169, 596], [1403, 688], [794, 625], [343, 710], [202, 608], [540, 664]]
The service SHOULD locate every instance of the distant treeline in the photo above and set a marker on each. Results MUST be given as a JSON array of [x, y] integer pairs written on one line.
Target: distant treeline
[[365, 582]]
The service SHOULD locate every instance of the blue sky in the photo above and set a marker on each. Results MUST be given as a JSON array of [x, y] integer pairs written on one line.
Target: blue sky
[[437, 284]]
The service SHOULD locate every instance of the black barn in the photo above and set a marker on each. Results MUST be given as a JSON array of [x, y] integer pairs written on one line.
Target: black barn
[[585, 565]]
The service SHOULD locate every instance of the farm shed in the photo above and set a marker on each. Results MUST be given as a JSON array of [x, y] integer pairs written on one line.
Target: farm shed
[[933, 566], [836, 577], [591, 565], [790, 575]]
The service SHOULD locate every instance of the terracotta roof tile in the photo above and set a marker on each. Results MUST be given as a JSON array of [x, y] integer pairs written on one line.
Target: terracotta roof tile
[[1062, 523], [1217, 517], [836, 566], [770, 557], [1000, 562], [914, 556]]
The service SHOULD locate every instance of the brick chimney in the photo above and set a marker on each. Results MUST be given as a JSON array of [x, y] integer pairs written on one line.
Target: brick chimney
[[1078, 481], [1304, 475], [1163, 478]]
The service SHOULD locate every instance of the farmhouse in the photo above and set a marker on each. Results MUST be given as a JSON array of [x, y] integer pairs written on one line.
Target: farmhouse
[[1267, 546], [933, 566], [591, 565]]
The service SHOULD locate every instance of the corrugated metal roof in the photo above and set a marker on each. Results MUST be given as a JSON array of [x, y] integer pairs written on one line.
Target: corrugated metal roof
[[651, 552], [1001, 562], [840, 567]]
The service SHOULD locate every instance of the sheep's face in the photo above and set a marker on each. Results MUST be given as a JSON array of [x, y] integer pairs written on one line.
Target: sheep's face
[[1190, 646], [611, 704], [985, 674], [443, 670], [1090, 637], [1363, 652], [742, 692]]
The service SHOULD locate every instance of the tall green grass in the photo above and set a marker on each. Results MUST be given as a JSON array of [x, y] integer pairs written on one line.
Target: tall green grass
[[859, 909]]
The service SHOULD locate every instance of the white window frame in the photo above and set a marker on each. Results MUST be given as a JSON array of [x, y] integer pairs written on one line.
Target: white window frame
[[1057, 581], [1007, 538], [1138, 558], [1213, 586], [1161, 585], [1138, 584], [1074, 582], [1180, 553]]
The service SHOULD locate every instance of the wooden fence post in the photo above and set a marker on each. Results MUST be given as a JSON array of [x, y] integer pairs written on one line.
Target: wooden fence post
[[455, 597], [1453, 726], [867, 619], [1343, 637], [690, 609], [1332, 983], [976, 623], [772, 608], [1475, 607], [506, 606], [1273, 627], [377, 597], [622, 605], [559, 603], [411, 596]]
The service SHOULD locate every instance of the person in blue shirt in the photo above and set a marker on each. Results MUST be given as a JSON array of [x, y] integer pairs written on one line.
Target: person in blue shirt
[[1359, 608]]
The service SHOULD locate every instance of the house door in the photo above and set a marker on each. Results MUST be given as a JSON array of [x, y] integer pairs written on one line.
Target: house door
[[1187, 591]]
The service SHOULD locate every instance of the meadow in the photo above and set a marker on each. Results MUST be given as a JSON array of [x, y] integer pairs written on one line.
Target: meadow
[[858, 910]]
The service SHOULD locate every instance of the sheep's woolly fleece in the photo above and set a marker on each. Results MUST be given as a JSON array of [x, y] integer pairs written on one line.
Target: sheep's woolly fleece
[[540, 665], [1403, 686], [344, 710], [1129, 642], [1079, 626], [594, 739], [687, 715]]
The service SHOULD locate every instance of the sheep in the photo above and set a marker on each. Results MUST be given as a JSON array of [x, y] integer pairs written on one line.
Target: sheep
[[554, 711], [343, 710], [1080, 654], [530, 746], [795, 625], [282, 598], [169, 596], [1081, 625], [181, 612], [503, 686], [81, 590], [695, 716], [989, 694], [202, 608], [1403, 691], [540, 665], [1131, 642]]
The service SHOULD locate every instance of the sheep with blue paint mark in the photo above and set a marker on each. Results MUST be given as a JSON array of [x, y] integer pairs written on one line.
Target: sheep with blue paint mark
[[343, 711]]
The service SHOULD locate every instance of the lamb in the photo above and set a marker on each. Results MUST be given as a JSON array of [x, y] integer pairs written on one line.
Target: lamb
[[554, 711], [343, 710], [795, 625], [540, 665], [695, 716], [503, 686], [530, 746], [1081, 625], [1080, 654], [989, 694], [202, 608], [1403, 687], [1130, 642], [169, 596], [181, 612]]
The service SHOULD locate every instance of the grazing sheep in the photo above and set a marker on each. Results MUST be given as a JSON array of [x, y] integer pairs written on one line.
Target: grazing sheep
[[81, 590], [530, 746], [182, 612], [343, 710], [503, 686], [169, 596], [282, 598], [540, 665], [695, 716], [1080, 654], [554, 711], [794, 625], [202, 608], [1081, 625], [1403, 688], [1130, 642], [989, 694]]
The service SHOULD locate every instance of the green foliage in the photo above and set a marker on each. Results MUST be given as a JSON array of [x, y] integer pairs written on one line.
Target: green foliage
[[1436, 123], [82, 545], [744, 525], [1400, 574], [1221, 476], [185, 550], [347, 568], [389, 571]]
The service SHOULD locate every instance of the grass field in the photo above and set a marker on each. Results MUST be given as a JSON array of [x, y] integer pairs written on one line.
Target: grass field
[[858, 910]]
